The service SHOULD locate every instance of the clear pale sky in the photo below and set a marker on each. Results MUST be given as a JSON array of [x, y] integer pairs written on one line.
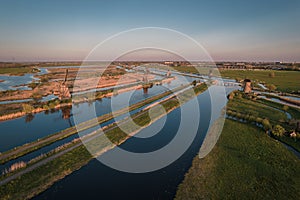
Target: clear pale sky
[[256, 30]]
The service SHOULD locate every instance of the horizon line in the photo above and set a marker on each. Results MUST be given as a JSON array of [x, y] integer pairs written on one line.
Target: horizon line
[[224, 61]]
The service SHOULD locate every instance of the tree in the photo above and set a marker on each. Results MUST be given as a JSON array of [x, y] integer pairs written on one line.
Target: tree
[[29, 117], [285, 108], [278, 131], [271, 87], [194, 82], [231, 95], [46, 107], [33, 85], [272, 74], [266, 124], [252, 118], [44, 79], [238, 80], [258, 120], [229, 112], [36, 96], [27, 108], [51, 105]]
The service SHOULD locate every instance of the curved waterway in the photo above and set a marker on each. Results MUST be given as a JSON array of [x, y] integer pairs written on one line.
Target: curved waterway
[[97, 181]]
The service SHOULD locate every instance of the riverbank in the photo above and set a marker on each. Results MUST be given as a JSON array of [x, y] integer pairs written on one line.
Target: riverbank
[[15, 110], [268, 115], [243, 165], [33, 111], [245, 160]]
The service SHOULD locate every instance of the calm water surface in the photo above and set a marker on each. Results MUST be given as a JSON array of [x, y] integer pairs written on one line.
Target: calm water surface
[[14, 82], [97, 181]]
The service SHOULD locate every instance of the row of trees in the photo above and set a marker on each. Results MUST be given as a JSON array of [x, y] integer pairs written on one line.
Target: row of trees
[[28, 108], [250, 118], [237, 94], [277, 130]]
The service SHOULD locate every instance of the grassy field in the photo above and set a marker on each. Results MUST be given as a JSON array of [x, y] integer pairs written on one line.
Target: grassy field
[[293, 111], [286, 81], [6, 109], [256, 109], [272, 111], [17, 70], [32, 183], [244, 164], [290, 141]]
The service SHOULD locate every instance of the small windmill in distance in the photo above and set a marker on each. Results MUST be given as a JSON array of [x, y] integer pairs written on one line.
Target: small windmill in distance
[[64, 92]]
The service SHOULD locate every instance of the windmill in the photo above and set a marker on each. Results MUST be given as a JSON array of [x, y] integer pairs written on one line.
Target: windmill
[[146, 83], [64, 92]]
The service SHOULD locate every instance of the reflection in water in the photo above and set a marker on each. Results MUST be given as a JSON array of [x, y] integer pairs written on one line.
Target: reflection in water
[[29, 117], [145, 89], [53, 110], [210, 74], [66, 114]]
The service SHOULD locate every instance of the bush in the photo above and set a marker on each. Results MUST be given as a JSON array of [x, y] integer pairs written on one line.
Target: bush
[[266, 124], [271, 87], [251, 118], [44, 79], [36, 96], [27, 108], [278, 131], [51, 105], [238, 79], [33, 85], [258, 120], [57, 102], [46, 107], [231, 95], [247, 117], [285, 108], [239, 115], [229, 112], [272, 74]]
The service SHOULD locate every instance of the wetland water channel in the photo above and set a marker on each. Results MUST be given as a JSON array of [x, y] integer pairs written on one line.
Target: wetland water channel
[[18, 82], [96, 180]]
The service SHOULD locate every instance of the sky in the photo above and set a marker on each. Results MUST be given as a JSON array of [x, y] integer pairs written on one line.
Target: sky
[[229, 30]]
